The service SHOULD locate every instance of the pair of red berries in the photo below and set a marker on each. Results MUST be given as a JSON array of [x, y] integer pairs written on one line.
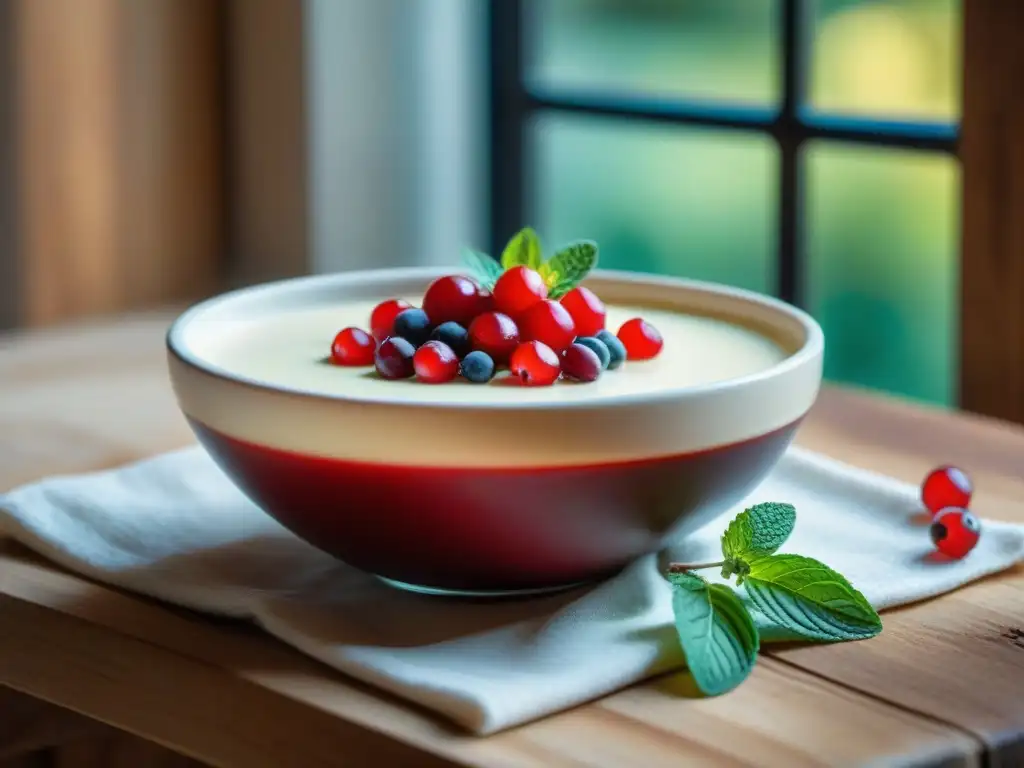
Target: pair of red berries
[[946, 493]]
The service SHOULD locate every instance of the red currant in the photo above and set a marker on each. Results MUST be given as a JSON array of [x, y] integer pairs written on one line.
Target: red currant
[[494, 333], [535, 364], [946, 487], [435, 363], [518, 289], [394, 358], [581, 363], [352, 346], [382, 319], [457, 299], [586, 309], [955, 532], [641, 339], [548, 322]]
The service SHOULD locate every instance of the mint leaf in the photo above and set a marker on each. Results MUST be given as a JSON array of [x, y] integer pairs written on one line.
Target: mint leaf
[[715, 631], [809, 598], [485, 270], [758, 530], [522, 250], [567, 268]]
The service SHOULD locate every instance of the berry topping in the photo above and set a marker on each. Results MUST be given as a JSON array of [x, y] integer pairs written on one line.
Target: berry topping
[[435, 363], [955, 532], [641, 339], [478, 367], [548, 322], [598, 347], [454, 335], [382, 319], [496, 334], [586, 309], [413, 325], [581, 363], [535, 364], [394, 358], [455, 298], [946, 487], [518, 289], [616, 349], [352, 346]]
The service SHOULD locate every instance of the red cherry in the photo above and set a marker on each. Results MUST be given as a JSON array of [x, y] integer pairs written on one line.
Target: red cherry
[[518, 289], [382, 319], [946, 487], [435, 363], [394, 358], [494, 333], [352, 346], [586, 309], [955, 532], [548, 322], [535, 364], [641, 339], [455, 298]]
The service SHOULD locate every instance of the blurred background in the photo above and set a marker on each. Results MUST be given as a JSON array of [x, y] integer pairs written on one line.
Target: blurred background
[[156, 151]]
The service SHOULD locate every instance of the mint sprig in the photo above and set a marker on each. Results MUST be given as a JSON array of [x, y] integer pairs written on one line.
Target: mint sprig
[[562, 272], [716, 629]]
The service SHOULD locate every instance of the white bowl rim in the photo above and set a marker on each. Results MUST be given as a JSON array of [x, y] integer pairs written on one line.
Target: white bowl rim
[[811, 350]]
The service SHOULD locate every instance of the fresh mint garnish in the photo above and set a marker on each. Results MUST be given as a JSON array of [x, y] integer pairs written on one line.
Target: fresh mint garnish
[[716, 630], [568, 268], [809, 598], [485, 270], [523, 250]]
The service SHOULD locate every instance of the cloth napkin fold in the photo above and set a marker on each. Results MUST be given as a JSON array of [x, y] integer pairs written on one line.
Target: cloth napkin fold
[[175, 528]]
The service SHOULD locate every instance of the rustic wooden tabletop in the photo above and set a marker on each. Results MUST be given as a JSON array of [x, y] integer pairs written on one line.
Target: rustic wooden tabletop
[[943, 684]]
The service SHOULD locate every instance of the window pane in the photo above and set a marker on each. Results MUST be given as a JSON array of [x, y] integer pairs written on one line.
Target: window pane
[[881, 267], [692, 203], [887, 58], [705, 49]]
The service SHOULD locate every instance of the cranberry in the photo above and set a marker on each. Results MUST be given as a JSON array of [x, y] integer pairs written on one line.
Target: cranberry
[[641, 339], [352, 346], [518, 289], [946, 487], [496, 334], [457, 299], [394, 358], [435, 363], [548, 322], [581, 363], [586, 309], [382, 319], [535, 364], [955, 532]]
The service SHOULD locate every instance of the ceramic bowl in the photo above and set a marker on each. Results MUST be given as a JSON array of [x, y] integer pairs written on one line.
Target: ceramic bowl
[[511, 497]]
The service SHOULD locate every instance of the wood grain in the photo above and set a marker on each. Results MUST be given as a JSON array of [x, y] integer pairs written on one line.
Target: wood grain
[[890, 700], [992, 270]]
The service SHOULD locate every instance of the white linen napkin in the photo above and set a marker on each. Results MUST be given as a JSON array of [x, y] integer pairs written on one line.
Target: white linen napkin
[[175, 528]]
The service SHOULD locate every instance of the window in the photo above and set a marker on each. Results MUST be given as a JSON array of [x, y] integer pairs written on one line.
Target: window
[[805, 149]]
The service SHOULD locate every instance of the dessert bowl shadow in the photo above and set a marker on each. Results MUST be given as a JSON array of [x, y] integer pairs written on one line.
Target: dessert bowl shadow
[[508, 494]]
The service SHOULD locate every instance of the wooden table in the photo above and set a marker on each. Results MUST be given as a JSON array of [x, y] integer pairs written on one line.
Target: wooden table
[[943, 684]]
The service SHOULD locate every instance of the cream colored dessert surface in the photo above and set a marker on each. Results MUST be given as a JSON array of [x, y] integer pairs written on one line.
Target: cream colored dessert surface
[[289, 349]]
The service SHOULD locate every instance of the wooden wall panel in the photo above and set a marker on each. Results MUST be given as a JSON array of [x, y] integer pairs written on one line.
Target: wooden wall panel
[[118, 198], [992, 150]]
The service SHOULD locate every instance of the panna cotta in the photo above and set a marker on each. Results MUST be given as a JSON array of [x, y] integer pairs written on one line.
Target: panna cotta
[[289, 350]]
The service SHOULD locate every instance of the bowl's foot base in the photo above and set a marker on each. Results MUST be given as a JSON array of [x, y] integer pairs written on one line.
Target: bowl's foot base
[[438, 591]]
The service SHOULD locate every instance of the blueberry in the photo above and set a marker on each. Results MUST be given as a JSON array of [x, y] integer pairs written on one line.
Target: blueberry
[[454, 335], [413, 325], [598, 347], [616, 349], [478, 367]]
